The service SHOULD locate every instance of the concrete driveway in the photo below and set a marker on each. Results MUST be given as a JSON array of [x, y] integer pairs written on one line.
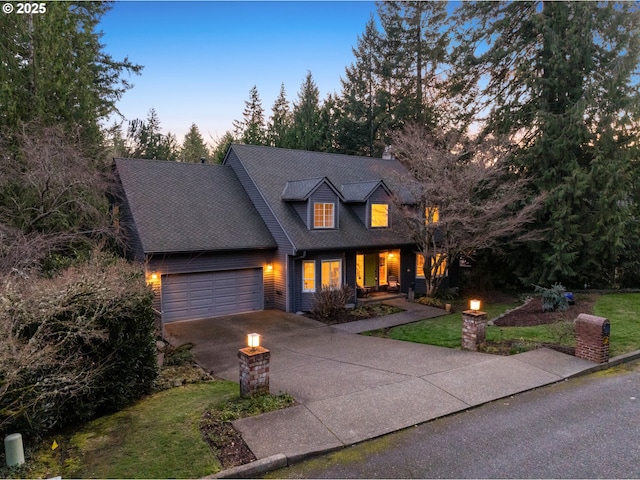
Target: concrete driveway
[[352, 387]]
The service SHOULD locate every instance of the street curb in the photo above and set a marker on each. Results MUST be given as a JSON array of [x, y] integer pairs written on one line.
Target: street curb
[[613, 362], [258, 467]]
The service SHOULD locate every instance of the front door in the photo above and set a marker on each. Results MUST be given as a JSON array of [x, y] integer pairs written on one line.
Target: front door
[[371, 270]]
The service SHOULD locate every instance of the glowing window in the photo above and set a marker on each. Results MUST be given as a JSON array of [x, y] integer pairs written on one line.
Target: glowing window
[[331, 273], [432, 215], [379, 215], [309, 276], [440, 270]]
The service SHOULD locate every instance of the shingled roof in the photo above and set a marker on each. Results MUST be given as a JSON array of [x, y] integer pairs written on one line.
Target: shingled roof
[[179, 207], [272, 169]]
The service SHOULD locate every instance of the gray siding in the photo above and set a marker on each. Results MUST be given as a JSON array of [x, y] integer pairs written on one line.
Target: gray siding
[[304, 300]]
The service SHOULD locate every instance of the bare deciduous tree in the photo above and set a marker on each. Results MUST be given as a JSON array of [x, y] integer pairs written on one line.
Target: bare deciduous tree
[[51, 196], [459, 198]]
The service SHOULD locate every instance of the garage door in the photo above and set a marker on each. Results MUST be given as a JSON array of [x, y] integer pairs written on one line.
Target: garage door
[[201, 295]]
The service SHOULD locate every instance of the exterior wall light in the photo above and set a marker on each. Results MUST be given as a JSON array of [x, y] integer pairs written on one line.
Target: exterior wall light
[[269, 267], [474, 305], [253, 340], [154, 277]]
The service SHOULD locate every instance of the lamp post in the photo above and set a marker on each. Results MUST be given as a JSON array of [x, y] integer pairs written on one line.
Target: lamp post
[[474, 324], [254, 367]]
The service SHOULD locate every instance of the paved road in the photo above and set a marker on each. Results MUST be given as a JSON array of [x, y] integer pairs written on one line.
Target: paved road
[[588, 427]]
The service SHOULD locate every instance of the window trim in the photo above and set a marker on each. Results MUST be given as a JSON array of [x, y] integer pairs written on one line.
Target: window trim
[[306, 279], [324, 206], [371, 208]]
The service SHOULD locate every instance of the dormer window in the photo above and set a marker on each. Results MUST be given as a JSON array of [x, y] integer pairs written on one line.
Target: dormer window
[[379, 215], [323, 215]]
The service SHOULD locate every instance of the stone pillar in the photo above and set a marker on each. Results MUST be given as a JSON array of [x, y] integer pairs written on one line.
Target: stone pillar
[[474, 325], [254, 370], [592, 338]]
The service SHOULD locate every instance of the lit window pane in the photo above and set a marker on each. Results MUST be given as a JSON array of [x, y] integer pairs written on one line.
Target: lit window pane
[[432, 215], [379, 215], [331, 274], [309, 276]]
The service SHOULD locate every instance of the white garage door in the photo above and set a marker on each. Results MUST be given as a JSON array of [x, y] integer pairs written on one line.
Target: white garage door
[[201, 295]]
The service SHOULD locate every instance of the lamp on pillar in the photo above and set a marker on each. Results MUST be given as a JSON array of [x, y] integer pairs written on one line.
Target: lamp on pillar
[[254, 367], [474, 323], [253, 340]]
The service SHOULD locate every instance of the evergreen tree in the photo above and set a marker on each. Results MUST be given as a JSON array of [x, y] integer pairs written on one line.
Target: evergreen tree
[[145, 139], [358, 127], [559, 78], [222, 145], [396, 77], [115, 142], [329, 119], [193, 146], [413, 48], [306, 117], [54, 69], [251, 129], [279, 126]]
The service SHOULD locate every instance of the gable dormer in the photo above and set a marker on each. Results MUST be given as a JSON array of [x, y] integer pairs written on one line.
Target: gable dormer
[[316, 200], [370, 201]]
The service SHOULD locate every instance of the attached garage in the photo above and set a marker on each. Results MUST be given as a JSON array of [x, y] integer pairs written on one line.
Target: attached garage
[[211, 294]]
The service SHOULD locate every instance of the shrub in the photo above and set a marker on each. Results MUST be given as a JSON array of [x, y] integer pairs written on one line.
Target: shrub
[[75, 346], [430, 301], [553, 298], [330, 301]]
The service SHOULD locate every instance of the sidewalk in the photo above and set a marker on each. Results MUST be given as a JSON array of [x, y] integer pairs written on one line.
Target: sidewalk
[[351, 388]]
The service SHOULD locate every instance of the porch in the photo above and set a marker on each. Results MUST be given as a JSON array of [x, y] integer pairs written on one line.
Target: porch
[[379, 297]]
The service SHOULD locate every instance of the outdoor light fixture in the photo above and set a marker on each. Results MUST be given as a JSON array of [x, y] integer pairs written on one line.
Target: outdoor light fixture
[[154, 277], [253, 340], [269, 267], [474, 305]]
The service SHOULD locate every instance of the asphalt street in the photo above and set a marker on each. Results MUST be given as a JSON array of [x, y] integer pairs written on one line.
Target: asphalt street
[[587, 427]]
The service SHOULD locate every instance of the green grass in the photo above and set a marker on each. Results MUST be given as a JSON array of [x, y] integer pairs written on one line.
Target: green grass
[[623, 312], [443, 331], [158, 437]]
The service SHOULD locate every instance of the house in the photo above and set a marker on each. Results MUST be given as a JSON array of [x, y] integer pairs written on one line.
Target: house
[[265, 229]]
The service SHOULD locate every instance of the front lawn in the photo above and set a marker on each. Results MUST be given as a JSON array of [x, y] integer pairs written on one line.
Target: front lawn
[[622, 310], [158, 437], [182, 432]]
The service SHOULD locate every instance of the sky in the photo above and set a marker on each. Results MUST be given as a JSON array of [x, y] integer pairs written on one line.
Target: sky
[[201, 58]]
